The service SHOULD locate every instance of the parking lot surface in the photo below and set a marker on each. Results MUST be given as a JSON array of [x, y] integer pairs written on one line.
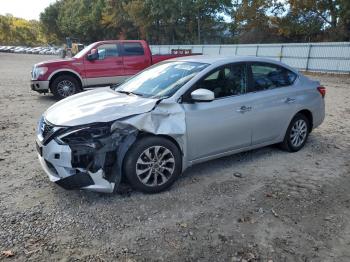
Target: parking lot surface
[[260, 205]]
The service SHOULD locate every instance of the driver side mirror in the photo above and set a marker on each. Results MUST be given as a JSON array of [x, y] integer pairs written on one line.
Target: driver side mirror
[[93, 55], [202, 95]]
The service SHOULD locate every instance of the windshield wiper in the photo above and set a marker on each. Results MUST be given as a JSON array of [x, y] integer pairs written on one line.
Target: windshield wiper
[[128, 92], [160, 97]]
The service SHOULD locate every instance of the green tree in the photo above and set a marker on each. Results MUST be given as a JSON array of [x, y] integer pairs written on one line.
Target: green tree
[[327, 10], [251, 20], [178, 21], [344, 21], [299, 27], [117, 20], [81, 19], [49, 22], [335, 15], [18, 31]]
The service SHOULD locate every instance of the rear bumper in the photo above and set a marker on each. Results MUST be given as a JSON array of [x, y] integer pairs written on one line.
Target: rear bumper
[[40, 86]]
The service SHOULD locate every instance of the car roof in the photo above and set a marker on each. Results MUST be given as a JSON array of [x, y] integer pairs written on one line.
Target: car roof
[[119, 41], [220, 59]]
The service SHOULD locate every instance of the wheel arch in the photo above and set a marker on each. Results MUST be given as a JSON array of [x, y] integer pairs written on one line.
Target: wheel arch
[[308, 114], [72, 73], [170, 138]]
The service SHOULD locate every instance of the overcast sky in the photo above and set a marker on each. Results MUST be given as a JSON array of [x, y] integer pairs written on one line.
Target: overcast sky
[[28, 9]]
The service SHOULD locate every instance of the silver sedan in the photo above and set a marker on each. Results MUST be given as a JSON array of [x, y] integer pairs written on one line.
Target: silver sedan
[[173, 115]]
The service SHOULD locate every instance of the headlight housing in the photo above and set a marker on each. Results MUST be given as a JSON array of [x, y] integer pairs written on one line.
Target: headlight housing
[[39, 71], [84, 134], [93, 134], [40, 127]]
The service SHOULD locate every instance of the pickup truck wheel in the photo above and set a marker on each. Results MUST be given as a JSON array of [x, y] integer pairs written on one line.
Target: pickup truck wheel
[[64, 86]]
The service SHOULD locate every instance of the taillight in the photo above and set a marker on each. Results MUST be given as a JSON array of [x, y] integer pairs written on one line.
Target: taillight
[[322, 91]]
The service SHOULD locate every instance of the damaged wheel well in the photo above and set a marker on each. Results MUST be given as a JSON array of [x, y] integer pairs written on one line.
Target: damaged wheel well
[[144, 134]]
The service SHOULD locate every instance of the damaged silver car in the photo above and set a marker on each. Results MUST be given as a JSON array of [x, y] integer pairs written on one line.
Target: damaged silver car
[[173, 115]]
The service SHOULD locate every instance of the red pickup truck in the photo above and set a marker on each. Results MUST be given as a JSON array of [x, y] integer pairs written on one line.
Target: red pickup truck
[[102, 63]]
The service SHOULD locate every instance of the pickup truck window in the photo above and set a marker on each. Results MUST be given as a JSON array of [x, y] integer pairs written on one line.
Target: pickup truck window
[[84, 51], [161, 80], [107, 50], [132, 49]]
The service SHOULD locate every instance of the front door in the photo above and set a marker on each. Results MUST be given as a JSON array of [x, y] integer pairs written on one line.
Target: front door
[[107, 69], [224, 124]]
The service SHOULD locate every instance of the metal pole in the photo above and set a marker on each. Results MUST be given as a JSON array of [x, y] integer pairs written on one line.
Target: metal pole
[[257, 50], [308, 58], [199, 29], [281, 53]]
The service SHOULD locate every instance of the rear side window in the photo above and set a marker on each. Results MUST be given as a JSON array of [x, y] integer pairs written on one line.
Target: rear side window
[[269, 76], [132, 49]]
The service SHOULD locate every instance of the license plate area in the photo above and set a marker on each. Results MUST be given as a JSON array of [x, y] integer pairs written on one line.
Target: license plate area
[[39, 148]]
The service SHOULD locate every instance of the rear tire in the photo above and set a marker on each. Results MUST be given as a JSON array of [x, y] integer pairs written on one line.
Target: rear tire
[[152, 164], [64, 86], [297, 133]]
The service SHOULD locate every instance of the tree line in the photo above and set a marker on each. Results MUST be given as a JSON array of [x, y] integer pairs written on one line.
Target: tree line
[[186, 21], [18, 31]]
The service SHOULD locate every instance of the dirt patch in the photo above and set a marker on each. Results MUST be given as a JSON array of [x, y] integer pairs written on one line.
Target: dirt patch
[[261, 205], [7, 124]]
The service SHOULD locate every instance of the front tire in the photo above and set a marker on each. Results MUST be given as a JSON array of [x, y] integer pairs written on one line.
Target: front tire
[[64, 86], [297, 133], [152, 164]]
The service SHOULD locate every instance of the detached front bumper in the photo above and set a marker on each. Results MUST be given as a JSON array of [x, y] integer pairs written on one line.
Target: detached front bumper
[[39, 86], [56, 160]]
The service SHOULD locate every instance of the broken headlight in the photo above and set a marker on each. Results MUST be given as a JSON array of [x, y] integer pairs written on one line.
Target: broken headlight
[[120, 126], [85, 134]]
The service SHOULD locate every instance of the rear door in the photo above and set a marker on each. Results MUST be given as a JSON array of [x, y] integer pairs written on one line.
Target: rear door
[[107, 69], [273, 100], [134, 56]]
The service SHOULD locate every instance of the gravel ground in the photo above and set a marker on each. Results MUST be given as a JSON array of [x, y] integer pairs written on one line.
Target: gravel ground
[[262, 205]]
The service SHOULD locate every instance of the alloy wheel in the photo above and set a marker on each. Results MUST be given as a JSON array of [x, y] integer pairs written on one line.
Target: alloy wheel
[[65, 88], [298, 133], [155, 166]]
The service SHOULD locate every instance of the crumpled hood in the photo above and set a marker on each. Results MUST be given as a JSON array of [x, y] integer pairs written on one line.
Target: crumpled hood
[[100, 105]]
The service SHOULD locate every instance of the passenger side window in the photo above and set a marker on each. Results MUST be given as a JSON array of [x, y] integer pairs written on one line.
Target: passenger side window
[[269, 76], [107, 50], [226, 81], [132, 49]]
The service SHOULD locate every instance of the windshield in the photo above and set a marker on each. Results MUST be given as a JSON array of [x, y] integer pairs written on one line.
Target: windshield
[[162, 80], [83, 52]]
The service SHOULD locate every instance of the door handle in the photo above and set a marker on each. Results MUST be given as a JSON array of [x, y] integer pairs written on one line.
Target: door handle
[[289, 100], [244, 109]]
